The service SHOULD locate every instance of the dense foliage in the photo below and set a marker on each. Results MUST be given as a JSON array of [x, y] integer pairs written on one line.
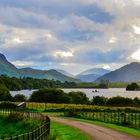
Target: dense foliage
[[133, 87], [115, 101], [31, 83], [59, 96], [20, 98], [5, 94], [78, 98], [51, 95]]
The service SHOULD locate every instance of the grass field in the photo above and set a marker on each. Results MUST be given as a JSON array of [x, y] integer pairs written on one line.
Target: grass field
[[66, 132], [8, 128]]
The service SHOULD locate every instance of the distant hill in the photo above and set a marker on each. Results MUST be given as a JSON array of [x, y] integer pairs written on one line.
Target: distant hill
[[91, 74], [64, 72], [46, 74], [6, 68], [129, 72]]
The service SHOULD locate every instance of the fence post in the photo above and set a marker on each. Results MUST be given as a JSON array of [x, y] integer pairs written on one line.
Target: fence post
[[16, 137], [23, 137], [11, 138], [139, 122]]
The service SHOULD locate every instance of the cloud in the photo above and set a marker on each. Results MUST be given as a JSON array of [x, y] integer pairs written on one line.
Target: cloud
[[69, 34]]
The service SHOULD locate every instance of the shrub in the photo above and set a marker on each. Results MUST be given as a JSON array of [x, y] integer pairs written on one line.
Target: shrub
[[120, 101], [132, 86], [49, 95], [5, 94], [9, 105], [15, 117], [19, 98], [99, 100], [78, 98]]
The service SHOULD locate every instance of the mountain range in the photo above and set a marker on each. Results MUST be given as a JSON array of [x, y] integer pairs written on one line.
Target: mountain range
[[6, 68], [129, 72], [91, 74]]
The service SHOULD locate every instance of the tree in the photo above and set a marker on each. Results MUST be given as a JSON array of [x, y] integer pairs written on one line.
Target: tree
[[19, 98], [99, 100], [78, 98], [120, 101], [5, 94], [132, 86], [49, 95], [103, 84]]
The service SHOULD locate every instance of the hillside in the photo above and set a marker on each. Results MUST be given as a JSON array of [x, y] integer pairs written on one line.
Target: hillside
[[6, 68], [129, 72], [91, 74], [64, 72], [46, 74]]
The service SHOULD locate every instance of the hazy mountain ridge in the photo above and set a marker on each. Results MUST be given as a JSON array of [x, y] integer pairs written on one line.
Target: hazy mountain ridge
[[64, 72], [6, 68], [91, 74], [129, 72]]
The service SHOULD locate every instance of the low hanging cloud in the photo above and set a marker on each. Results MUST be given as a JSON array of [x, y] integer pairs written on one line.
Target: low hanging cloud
[[67, 34]]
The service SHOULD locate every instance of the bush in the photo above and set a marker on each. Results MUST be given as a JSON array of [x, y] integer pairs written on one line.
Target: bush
[[132, 87], [78, 98], [20, 98], [9, 105], [99, 100], [49, 95], [15, 117], [5, 94], [120, 101], [71, 112]]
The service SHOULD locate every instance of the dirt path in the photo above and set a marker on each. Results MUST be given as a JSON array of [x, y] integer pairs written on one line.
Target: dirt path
[[95, 131]]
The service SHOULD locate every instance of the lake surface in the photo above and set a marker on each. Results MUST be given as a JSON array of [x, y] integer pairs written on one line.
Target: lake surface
[[111, 92]]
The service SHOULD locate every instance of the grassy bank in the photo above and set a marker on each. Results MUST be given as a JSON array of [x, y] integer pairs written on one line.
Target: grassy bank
[[66, 132], [8, 128]]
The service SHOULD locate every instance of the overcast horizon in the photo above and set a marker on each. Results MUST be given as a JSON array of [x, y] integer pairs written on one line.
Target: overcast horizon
[[71, 35]]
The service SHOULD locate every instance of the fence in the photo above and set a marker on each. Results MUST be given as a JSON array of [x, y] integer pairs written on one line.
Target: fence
[[40, 133], [122, 118]]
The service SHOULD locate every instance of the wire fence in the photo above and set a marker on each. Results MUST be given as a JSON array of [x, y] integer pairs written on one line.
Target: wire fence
[[40, 133], [128, 119]]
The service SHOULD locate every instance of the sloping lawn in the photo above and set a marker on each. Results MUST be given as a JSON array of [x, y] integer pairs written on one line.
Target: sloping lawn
[[8, 128]]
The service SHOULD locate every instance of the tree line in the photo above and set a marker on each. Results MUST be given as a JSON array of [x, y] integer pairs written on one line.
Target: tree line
[[53, 95], [59, 96], [13, 83]]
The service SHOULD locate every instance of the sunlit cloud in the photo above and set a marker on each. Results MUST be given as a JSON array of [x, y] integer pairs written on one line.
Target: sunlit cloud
[[136, 55], [22, 63], [136, 29], [17, 40], [63, 54], [113, 40], [106, 67]]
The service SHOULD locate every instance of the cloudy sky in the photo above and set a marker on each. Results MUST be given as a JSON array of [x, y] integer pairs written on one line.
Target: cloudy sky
[[73, 35]]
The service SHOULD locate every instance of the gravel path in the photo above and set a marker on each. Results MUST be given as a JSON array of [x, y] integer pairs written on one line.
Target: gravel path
[[95, 131]]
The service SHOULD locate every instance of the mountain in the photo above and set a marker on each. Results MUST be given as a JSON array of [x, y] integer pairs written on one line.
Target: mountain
[[129, 72], [64, 72], [91, 74], [46, 74], [6, 68]]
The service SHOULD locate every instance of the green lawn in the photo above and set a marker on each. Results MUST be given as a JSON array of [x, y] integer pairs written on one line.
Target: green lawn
[[66, 132], [8, 128], [131, 131]]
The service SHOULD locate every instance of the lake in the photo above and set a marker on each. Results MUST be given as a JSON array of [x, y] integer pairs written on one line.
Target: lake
[[111, 92]]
